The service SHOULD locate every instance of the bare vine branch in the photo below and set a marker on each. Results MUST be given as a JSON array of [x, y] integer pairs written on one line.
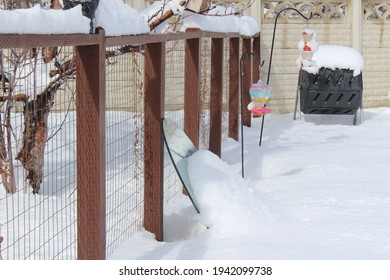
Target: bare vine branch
[[164, 17]]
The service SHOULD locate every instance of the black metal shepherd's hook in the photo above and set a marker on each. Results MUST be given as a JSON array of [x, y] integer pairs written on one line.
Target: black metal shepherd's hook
[[241, 104], [272, 50]]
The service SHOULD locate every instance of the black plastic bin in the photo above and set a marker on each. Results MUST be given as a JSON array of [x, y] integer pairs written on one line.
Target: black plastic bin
[[330, 92]]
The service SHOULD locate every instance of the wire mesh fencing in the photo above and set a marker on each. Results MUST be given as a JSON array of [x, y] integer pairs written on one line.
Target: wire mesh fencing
[[174, 108], [124, 145], [37, 144], [42, 165]]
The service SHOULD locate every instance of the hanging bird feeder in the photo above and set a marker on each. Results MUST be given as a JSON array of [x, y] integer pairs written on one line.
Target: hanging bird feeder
[[259, 93]]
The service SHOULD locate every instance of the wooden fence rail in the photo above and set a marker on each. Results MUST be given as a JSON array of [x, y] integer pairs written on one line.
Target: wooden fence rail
[[90, 111]]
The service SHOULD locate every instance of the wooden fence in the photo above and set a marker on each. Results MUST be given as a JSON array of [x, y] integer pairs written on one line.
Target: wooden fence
[[91, 55]]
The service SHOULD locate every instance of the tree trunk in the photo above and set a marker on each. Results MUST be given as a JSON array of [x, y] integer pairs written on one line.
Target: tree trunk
[[55, 5], [6, 168], [32, 154]]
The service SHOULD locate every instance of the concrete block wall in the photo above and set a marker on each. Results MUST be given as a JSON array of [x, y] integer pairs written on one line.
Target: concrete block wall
[[371, 37], [364, 25], [376, 52]]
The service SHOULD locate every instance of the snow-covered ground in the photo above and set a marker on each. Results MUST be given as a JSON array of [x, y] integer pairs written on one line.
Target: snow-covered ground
[[316, 189]]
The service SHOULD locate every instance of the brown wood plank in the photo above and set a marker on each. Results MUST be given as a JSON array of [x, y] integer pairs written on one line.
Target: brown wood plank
[[234, 100], [192, 89], [153, 138], [246, 81], [39, 40], [91, 163], [216, 96]]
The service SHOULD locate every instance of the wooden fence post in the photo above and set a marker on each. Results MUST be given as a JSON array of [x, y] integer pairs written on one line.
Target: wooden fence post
[[153, 138], [234, 94], [91, 162], [192, 89], [256, 52], [216, 96], [246, 81]]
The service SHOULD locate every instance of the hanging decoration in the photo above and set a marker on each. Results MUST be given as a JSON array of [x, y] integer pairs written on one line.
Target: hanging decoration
[[259, 93], [308, 46]]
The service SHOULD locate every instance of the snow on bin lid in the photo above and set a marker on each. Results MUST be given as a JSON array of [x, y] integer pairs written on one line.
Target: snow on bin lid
[[333, 56]]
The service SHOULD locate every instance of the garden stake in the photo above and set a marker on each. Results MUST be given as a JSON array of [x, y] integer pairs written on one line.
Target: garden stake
[[272, 50]]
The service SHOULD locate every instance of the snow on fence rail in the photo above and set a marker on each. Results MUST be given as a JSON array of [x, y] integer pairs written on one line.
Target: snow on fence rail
[[83, 164]]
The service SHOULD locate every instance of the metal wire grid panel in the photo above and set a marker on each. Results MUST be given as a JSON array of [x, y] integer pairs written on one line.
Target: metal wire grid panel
[[206, 84], [174, 109], [124, 147], [225, 94], [174, 101], [205, 73], [205, 92], [38, 155], [44, 225]]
